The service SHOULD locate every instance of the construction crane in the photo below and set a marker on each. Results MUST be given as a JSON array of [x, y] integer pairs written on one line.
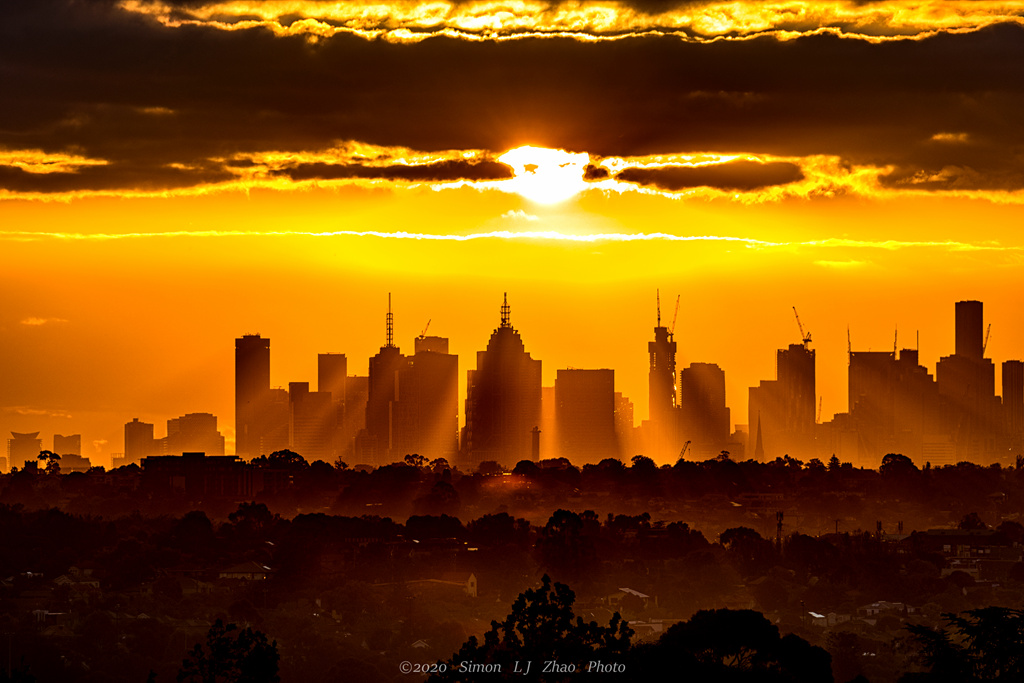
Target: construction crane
[[674, 316], [683, 452], [849, 346], [427, 327], [806, 337], [818, 421], [895, 337], [984, 344]]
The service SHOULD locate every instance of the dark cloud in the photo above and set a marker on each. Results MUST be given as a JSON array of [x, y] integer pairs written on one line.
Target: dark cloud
[[436, 172], [592, 172], [733, 175], [89, 77]]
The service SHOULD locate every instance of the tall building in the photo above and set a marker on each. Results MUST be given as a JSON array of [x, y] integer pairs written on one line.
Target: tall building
[[585, 415], [425, 412], [703, 415], [503, 399], [192, 433], [22, 448], [967, 384], [138, 441], [662, 430], [331, 373], [782, 411], [384, 369], [67, 445], [311, 425], [1013, 405], [252, 388]]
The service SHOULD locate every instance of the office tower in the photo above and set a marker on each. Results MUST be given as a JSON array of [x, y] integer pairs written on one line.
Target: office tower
[[275, 425], [357, 391], [782, 411], [331, 372], [1013, 406], [585, 415], [425, 412], [624, 429], [503, 401], [67, 445], [384, 369], [23, 448], [703, 415], [252, 385], [967, 383], [311, 424], [192, 433], [138, 441], [663, 427], [969, 323]]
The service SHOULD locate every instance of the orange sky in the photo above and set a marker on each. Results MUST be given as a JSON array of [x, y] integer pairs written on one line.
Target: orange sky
[[175, 174]]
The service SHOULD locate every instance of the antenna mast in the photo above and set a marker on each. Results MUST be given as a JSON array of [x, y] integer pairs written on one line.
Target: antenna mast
[[391, 325], [506, 312], [657, 294]]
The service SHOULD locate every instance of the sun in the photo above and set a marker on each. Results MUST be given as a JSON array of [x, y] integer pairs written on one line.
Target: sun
[[545, 176]]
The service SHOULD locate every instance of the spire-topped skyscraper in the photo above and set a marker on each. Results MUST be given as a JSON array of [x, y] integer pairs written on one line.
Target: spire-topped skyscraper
[[383, 368], [503, 399], [663, 426]]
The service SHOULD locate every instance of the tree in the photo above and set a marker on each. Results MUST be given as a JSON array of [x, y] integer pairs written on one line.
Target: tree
[[50, 461], [981, 645], [541, 627], [231, 655]]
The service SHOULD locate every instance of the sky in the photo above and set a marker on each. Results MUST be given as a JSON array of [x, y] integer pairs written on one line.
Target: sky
[[176, 174]]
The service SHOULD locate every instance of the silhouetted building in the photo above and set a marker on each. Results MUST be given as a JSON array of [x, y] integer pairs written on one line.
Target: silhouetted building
[[73, 462], [194, 432], [781, 411], [275, 423], [425, 412], [624, 429], [894, 407], [67, 445], [585, 415], [662, 429], [357, 391], [311, 423], [967, 384], [138, 441], [503, 399], [252, 387], [22, 448], [704, 417], [1013, 405], [384, 369], [200, 477], [332, 371]]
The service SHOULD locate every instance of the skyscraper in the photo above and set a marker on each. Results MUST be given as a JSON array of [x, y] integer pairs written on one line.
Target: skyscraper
[[384, 368], [67, 445], [252, 387], [311, 424], [138, 441], [23, 448], [425, 412], [503, 399], [967, 384], [332, 372], [781, 411], [585, 415], [662, 430], [704, 417]]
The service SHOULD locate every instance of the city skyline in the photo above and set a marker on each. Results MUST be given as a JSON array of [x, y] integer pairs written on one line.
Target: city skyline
[[966, 336], [176, 174]]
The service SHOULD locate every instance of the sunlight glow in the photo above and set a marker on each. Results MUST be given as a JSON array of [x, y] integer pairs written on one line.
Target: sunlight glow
[[545, 176]]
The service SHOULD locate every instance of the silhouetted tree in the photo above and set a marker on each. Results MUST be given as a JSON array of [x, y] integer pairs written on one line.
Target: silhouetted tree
[[231, 655], [972, 522], [541, 627]]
